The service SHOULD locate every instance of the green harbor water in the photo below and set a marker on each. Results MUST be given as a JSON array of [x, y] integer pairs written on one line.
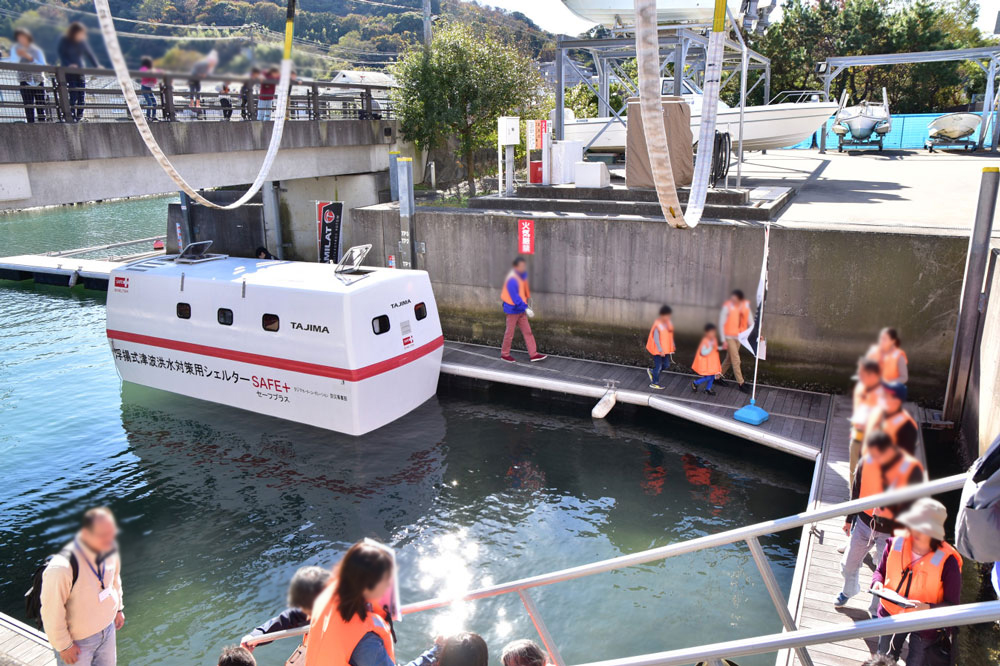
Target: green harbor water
[[218, 507]]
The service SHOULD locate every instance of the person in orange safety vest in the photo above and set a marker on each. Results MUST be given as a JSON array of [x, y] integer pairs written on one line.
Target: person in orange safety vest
[[660, 345], [867, 398], [515, 296], [706, 360], [734, 318], [922, 567], [347, 627], [891, 358], [893, 419]]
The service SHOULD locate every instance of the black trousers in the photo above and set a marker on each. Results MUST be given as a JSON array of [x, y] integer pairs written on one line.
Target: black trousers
[[33, 98]]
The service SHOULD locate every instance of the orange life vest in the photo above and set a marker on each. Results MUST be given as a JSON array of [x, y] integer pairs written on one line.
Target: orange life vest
[[737, 319], [522, 289], [868, 400], [874, 481], [889, 364], [892, 424], [666, 339], [706, 361], [332, 641], [917, 581]]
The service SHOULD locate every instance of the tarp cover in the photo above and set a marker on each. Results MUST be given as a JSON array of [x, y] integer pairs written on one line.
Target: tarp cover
[[677, 122]]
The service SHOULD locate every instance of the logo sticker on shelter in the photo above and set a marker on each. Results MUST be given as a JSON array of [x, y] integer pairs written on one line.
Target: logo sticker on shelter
[[526, 236], [121, 284]]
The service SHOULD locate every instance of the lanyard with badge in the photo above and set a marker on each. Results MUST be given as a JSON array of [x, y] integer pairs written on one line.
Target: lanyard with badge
[[98, 571]]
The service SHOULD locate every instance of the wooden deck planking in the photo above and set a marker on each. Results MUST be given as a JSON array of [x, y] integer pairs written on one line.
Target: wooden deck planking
[[22, 645], [797, 415], [819, 581]]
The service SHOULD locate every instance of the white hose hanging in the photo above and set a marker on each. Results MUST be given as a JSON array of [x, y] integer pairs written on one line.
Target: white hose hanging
[[709, 111], [135, 109], [647, 49]]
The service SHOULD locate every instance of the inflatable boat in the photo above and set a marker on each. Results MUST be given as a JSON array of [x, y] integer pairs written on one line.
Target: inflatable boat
[[342, 347]]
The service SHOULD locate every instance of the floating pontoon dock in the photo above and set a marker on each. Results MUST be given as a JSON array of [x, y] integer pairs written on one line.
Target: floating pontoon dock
[[24, 645]]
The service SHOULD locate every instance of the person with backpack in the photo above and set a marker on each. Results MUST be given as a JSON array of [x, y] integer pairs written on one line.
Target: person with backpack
[[80, 600]]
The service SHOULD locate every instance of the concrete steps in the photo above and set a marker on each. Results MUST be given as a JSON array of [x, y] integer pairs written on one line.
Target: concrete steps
[[758, 205]]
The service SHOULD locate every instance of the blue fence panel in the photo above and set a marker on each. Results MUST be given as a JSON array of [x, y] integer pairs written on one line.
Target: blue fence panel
[[909, 132]]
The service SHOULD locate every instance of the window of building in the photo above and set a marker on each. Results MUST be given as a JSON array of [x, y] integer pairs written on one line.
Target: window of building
[[183, 310], [420, 310], [225, 316], [270, 322], [380, 324]]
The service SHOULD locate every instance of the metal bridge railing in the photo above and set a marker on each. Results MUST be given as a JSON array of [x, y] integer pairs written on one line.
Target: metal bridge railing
[[172, 98], [793, 638]]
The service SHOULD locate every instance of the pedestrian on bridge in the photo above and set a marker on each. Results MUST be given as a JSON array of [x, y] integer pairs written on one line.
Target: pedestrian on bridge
[[515, 296], [82, 606], [74, 52], [24, 50]]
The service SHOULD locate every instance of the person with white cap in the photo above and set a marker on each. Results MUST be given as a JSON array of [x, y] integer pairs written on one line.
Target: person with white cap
[[922, 567]]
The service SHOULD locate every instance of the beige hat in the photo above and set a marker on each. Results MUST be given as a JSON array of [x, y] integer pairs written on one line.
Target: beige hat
[[926, 515]]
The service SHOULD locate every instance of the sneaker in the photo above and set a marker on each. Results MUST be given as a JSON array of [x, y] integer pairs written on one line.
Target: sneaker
[[509, 359], [709, 392], [744, 388], [649, 373], [841, 600], [694, 387], [656, 386], [720, 381], [537, 357], [842, 549]]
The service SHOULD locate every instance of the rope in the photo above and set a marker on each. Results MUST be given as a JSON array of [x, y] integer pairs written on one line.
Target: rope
[[651, 111], [135, 109]]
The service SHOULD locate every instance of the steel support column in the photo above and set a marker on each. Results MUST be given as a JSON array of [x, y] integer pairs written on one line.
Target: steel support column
[[560, 94]]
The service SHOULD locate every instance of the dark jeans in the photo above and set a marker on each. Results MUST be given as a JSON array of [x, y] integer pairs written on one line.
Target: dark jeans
[[150, 101], [923, 652], [660, 363], [227, 108], [77, 86], [33, 98]]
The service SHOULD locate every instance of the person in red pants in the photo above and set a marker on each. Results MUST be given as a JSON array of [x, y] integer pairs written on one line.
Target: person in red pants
[[515, 296]]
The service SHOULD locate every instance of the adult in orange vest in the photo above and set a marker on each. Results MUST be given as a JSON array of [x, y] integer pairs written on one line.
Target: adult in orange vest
[[515, 295], [920, 566], [894, 420], [706, 360], [867, 398], [884, 467], [734, 318], [347, 629], [660, 345], [890, 356]]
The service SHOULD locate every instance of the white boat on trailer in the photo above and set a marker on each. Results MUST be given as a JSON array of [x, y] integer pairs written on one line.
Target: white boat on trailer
[[953, 129], [765, 127], [863, 124], [345, 347]]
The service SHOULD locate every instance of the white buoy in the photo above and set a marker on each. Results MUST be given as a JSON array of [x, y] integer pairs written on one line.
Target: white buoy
[[604, 405]]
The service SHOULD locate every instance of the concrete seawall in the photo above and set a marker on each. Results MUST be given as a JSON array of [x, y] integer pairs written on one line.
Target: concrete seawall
[[598, 281]]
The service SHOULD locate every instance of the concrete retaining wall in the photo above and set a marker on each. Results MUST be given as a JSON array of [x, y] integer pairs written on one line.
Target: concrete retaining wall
[[598, 283]]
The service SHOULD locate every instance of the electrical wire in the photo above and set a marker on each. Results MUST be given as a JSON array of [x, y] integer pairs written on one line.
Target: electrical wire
[[140, 21]]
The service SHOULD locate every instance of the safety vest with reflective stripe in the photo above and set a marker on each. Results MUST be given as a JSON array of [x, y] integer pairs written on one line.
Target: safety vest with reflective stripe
[[737, 319], [522, 289], [889, 364], [893, 423], [874, 481], [917, 581], [332, 641], [706, 361], [666, 338]]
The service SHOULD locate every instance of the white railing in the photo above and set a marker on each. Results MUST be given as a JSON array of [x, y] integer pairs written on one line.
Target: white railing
[[792, 638]]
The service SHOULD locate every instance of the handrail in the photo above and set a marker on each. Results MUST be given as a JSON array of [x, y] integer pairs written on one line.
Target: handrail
[[790, 639], [700, 543]]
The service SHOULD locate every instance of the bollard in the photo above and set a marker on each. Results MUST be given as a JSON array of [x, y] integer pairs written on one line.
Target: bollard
[[963, 349], [393, 176], [407, 206]]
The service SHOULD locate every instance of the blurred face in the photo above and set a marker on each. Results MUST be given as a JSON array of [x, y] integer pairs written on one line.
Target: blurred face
[[921, 541], [885, 343], [102, 534], [893, 404], [80, 36], [376, 593], [23, 40], [881, 456], [520, 267], [868, 379], [711, 334]]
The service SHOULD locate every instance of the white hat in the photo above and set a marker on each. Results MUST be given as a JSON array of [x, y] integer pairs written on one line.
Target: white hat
[[926, 515]]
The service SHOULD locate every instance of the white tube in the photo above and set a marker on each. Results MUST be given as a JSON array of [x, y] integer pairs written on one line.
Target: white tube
[[135, 109]]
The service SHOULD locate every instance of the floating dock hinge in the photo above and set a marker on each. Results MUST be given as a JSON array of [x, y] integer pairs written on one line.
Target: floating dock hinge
[[605, 404]]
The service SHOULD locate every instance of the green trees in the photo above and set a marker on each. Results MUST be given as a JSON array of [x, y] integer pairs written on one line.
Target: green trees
[[460, 86], [810, 32]]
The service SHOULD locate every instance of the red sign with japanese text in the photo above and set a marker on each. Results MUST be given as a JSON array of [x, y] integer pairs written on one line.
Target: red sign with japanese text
[[526, 236]]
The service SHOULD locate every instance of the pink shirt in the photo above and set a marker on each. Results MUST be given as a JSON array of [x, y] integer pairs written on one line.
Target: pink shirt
[[150, 82]]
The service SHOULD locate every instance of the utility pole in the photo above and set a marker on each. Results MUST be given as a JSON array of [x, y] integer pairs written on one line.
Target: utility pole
[[427, 23]]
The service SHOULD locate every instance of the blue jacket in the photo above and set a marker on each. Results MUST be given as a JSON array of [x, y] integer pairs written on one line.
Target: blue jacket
[[515, 295], [370, 651]]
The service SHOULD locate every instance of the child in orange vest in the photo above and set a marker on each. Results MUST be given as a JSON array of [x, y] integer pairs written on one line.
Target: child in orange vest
[[660, 344], [706, 360]]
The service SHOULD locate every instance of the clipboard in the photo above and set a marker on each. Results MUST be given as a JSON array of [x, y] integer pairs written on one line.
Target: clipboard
[[391, 598], [894, 597]]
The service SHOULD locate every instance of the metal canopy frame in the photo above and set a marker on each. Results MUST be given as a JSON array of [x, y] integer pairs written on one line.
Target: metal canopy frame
[[987, 57], [685, 45]]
